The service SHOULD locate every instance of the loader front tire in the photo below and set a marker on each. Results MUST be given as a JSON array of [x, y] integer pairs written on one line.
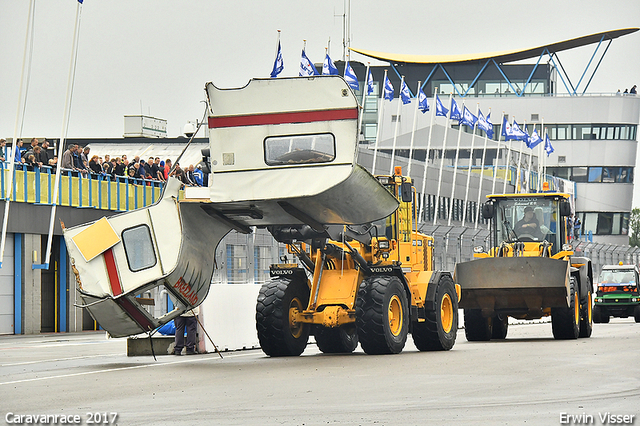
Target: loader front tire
[[438, 331], [382, 315], [279, 300], [476, 327], [338, 340], [565, 321]]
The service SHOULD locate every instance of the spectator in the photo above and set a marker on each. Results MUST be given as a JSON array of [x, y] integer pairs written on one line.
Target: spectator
[[119, 168], [186, 320], [3, 145], [107, 167], [198, 175], [17, 157], [94, 165], [576, 226], [161, 169], [633, 90], [31, 161], [44, 154], [67, 158], [84, 157], [167, 168]]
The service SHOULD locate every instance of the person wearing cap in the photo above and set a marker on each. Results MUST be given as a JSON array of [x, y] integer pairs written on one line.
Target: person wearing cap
[[528, 224]]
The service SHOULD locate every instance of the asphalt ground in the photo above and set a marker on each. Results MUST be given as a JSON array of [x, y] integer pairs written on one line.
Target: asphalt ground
[[530, 378]]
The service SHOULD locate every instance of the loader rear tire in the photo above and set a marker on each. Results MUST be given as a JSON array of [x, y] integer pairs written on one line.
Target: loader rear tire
[[499, 327], [476, 327], [438, 331], [382, 315], [278, 302], [565, 322], [586, 315], [338, 340]]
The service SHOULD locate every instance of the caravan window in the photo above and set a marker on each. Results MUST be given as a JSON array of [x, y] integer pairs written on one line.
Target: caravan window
[[299, 149], [139, 248]]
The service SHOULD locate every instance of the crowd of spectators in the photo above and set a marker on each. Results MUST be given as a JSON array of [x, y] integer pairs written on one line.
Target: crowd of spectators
[[77, 160]]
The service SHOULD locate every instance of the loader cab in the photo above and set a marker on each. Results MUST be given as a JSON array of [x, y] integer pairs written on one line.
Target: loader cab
[[399, 224], [528, 219]]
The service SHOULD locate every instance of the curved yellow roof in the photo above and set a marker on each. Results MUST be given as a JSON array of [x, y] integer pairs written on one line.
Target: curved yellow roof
[[504, 56]]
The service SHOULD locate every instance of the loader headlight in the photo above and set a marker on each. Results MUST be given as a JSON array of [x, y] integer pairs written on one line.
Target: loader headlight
[[478, 249], [383, 244], [567, 247]]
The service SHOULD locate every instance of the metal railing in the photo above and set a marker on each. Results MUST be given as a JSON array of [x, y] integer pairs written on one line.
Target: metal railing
[[98, 191]]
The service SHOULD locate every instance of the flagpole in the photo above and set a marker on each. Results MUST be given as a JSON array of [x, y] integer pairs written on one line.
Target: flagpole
[[379, 129], [495, 166], [541, 157], [444, 146], [365, 89], [413, 130], [395, 133], [518, 173], [484, 154], [529, 189], [11, 158], [506, 169], [426, 157], [466, 195], [65, 128], [455, 170]]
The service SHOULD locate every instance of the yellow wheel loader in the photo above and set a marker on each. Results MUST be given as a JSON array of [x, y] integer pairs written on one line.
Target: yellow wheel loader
[[373, 284], [528, 272]]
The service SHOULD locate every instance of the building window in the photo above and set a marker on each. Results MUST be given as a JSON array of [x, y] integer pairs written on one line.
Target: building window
[[262, 261], [595, 174], [237, 264], [605, 223], [579, 174]]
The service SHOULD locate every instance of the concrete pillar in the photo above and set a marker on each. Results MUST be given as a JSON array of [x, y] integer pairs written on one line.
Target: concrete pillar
[[31, 284]]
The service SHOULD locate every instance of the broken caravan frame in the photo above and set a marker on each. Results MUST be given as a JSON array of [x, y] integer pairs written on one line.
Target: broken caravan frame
[[306, 129]]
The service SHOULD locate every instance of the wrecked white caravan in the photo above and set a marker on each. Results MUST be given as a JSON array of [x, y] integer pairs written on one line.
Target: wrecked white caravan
[[282, 154]]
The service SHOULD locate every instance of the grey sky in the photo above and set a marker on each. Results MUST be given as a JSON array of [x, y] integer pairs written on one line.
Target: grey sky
[[160, 53]]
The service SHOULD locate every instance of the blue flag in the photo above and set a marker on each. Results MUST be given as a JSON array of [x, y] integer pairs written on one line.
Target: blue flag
[[307, 68], [423, 105], [369, 83], [535, 139], [388, 89], [328, 67], [507, 131], [80, 1], [547, 145], [278, 65], [350, 77], [405, 95], [482, 123], [526, 137], [517, 132], [440, 109], [490, 132], [468, 118], [455, 111]]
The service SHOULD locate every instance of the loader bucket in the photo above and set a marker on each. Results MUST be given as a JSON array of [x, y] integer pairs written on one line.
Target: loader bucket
[[517, 286]]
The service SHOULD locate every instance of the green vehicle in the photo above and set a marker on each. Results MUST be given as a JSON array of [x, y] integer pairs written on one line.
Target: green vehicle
[[618, 293]]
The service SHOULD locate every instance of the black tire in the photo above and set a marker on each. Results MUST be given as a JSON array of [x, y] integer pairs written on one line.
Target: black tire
[[499, 327], [476, 327], [565, 322], [597, 314], [636, 313], [338, 340], [586, 314], [382, 315], [438, 331], [277, 299]]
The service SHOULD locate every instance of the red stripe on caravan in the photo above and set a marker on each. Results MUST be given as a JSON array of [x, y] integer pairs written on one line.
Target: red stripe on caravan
[[283, 118], [112, 271], [135, 313]]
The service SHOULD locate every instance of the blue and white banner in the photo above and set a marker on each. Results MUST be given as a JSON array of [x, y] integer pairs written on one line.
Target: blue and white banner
[[455, 111], [490, 132], [535, 139], [328, 67], [405, 95], [423, 104], [526, 139], [307, 68], [278, 64], [440, 109], [547, 145], [350, 77], [517, 132], [468, 118], [369, 83], [388, 89], [482, 123]]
